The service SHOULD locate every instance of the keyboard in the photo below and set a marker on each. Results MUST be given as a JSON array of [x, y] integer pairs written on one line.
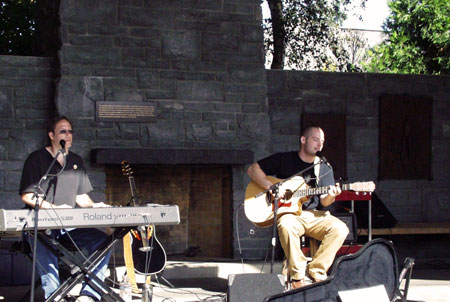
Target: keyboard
[[18, 220]]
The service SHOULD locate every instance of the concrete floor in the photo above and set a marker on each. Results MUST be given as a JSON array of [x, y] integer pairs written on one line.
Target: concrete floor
[[208, 281]]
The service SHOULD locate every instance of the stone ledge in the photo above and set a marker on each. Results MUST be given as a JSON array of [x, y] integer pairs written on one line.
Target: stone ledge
[[411, 229], [171, 156]]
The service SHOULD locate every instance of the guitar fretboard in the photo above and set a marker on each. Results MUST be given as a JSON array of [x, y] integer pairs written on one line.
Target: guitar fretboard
[[318, 191]]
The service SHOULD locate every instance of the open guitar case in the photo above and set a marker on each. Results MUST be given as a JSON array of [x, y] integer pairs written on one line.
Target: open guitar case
[[374, 264]]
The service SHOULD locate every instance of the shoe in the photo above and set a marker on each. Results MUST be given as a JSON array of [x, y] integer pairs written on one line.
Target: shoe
[[300, 283], [85, 299]]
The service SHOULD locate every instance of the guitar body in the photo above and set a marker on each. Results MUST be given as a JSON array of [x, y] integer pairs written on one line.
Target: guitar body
[[148, 262], [148, 255], [259, 207]]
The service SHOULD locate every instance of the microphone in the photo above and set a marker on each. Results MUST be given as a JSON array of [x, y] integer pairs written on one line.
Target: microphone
[[324, 160], [62, 143]]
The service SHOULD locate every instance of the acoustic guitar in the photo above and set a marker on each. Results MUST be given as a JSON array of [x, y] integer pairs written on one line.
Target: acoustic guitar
[[259, 203], [148, 255]]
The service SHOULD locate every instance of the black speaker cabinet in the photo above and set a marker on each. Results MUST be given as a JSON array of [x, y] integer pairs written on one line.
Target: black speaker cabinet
[[350, 220], [253, 287]]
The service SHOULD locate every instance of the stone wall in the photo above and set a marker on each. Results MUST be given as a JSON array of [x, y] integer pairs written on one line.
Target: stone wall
[[26, 103]]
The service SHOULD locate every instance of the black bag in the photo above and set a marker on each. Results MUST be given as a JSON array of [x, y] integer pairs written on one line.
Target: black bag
[[374, 264]]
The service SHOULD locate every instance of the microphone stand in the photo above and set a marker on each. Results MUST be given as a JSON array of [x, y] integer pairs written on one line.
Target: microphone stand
[[36, 196], [275, 190]]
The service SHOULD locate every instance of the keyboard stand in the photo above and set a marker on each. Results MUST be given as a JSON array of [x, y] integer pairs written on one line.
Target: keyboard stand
[[82, 268]]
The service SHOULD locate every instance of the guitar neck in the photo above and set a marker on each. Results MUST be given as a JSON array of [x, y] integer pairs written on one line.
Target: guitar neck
[[133, 189], [318, 190]]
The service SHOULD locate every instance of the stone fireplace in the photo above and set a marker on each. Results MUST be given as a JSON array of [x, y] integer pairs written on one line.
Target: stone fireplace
[[199, 182]]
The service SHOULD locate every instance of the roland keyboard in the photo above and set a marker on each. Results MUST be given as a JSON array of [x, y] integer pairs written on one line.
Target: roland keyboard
[[17, 220]]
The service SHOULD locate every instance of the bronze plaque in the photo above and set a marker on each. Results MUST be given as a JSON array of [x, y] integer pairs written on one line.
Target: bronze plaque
[[125, 112]]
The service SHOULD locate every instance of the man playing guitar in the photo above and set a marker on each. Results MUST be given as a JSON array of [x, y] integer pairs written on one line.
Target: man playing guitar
[[312, 219]]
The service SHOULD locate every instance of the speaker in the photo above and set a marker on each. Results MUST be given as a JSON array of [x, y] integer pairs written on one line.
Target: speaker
[[350, 220], [381, 217], [253, 287]]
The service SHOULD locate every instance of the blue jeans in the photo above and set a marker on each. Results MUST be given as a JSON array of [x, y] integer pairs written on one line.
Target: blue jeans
[[47, 261]]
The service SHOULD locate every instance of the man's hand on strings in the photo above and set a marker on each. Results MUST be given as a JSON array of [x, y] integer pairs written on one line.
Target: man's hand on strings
[[335, 190]]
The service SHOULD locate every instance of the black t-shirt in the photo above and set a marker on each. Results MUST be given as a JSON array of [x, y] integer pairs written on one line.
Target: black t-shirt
[[59, 190], [285, 164]]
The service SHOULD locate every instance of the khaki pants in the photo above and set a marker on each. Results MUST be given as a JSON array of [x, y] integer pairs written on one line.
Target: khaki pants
[[320, 225]]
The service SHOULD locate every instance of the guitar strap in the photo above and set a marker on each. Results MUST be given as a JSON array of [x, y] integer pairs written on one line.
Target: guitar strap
[[317, 169], [129, 263]]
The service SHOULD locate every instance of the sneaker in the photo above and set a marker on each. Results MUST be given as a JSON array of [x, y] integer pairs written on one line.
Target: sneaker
[[85, 299]]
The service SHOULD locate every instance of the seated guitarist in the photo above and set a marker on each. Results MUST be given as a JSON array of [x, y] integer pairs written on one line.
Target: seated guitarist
[[314, 221]]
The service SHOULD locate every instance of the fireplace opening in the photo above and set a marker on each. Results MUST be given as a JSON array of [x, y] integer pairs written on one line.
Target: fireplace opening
[[203, 194]]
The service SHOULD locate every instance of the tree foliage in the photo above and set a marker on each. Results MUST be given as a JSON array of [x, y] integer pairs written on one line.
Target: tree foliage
[[305, 34], [418, 39], [16, 27]]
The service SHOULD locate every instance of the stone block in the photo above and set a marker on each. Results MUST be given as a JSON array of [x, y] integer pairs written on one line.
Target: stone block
[[8, 71], [10, 200], [144, 17], [11, 82], [6, 103], [95, 56], [113, 94], [163, 134], [32, 113], [37, 124], [223, 42], [39, 88], [184, 44], [91, 40], [210, 91], [22, 142], [199, 106], [110, 30], [219, 117], [227, 107], [11, 165], [126, 131], [3, 150], [181, 75], [104, 134], [252, 33], [76, 97], [3, 134], [187, 116], [88, 12], [253, 127], [119, 82], [250, 73], [195, 25], [12, 180], [199, 130]]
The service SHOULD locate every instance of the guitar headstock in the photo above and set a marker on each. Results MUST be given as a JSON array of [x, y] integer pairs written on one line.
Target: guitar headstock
[[368, 186], [126, 169]]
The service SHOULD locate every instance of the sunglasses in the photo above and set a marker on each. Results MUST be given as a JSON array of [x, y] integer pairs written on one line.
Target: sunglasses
[[65, 131]]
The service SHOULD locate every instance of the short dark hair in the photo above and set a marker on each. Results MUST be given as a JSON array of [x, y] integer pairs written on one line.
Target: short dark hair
[[305, 132], [52, 123]]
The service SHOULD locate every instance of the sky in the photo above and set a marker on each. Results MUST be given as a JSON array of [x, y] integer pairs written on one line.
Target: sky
[[373, 16]]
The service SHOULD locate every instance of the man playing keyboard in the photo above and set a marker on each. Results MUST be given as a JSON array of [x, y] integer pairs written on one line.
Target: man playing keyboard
[[68, 190]]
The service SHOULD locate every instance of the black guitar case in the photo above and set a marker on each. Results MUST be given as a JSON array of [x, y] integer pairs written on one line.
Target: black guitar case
[[374, 264]]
